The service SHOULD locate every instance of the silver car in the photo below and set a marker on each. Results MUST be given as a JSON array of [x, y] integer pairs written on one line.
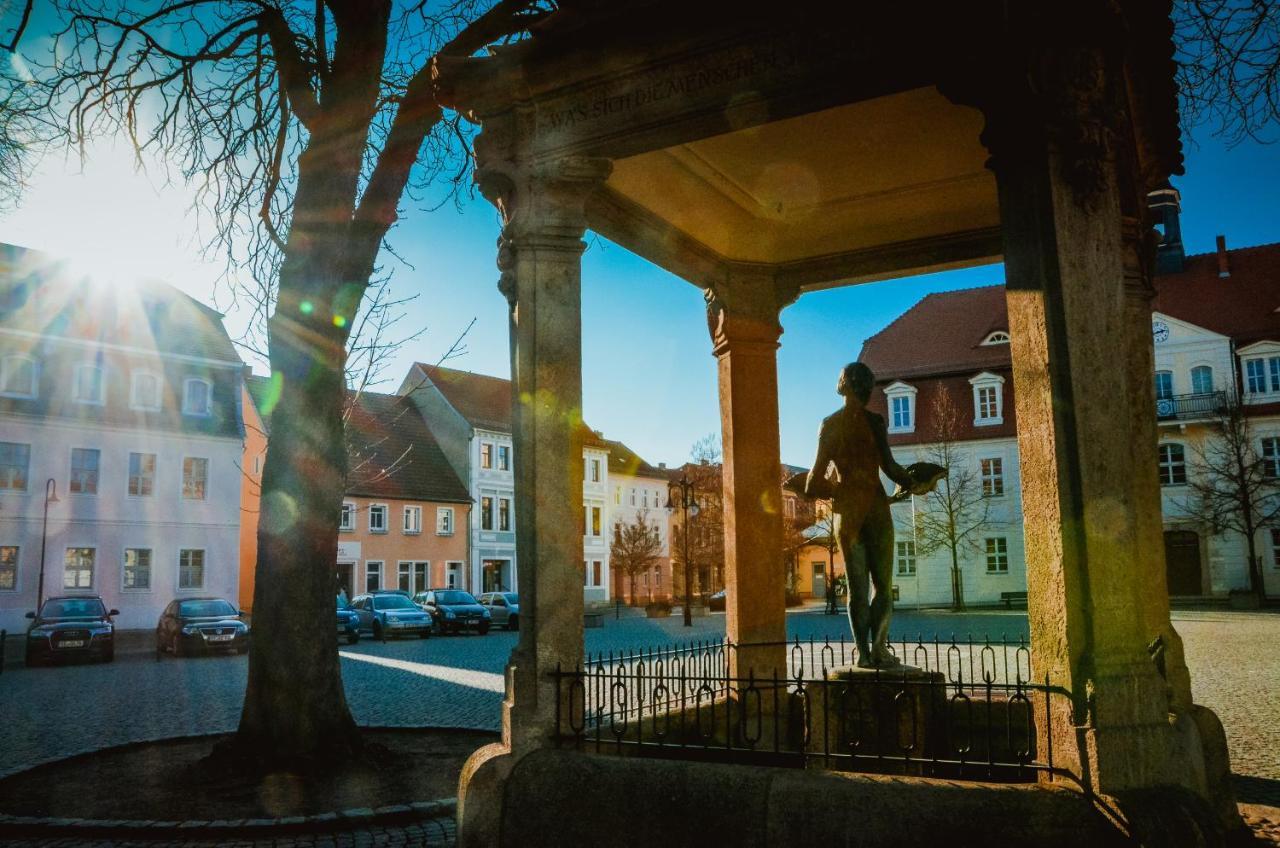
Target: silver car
[[504, 608]]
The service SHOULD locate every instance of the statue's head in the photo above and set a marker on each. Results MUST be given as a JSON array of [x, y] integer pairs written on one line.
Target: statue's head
[[856, 379]]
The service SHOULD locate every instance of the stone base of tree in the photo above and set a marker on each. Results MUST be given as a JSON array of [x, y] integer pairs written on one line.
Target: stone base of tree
[[1244, 599]]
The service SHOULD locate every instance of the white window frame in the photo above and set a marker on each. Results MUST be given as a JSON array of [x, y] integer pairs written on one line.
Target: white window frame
[[411, 527], [1213, 380], [1162, 464], [1156, 383], [151, 569], [204, 570], [186, 398], [134, 378], [26, 469], [904, 555], [486, 456], [997, 554], [452, 570], [1266, 356], [33, 388], [593, 468], [205, 495], [76, 386], [373, 566], [493, 511], [994, 382], [899, 390], [347, 517], [93, 568], [155, 474], [1274, 533], [382, 509], [444, 521], [503, 459], [996, 337], [993, 480], [97, 475], [17, 568], [1270, 456], [505, 511]]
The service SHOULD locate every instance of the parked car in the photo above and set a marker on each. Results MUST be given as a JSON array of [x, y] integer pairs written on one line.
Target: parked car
[[454, 610], [503, 607], [716, 601], [348, 621], [71, 627], [391, 613], [200, 625]]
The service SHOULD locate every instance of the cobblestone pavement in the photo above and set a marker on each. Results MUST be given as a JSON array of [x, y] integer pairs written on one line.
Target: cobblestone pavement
[[434, 833], [50, 713]]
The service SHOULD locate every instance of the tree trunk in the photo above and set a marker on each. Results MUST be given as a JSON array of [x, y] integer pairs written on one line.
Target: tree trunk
[[1255, 571], [957, 587]]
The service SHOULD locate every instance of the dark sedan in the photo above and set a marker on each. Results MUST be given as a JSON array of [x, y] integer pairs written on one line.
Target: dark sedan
[[200, 625], [348, 622], [70, 627], [454, 610]]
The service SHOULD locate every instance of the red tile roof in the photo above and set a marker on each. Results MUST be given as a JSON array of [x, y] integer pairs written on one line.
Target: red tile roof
[[942, 334], [1242, 306], [623, 460]]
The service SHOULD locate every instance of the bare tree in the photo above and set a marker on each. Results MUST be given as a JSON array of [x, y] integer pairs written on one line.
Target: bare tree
[[1228, 54], [15, 129], [706, 530], [1233, 487], [635, 549], [301, 125], [959, 509]]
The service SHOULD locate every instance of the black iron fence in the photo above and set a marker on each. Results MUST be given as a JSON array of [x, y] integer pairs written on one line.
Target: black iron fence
[[965, 709], [1194, 406]]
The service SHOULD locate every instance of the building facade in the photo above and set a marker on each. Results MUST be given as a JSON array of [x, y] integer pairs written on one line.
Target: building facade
[[1216, 335], [638, 491], [403, 519], [120, 403]]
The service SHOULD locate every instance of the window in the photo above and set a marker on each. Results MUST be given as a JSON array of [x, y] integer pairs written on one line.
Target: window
[[596, 515], [486, 512], [377, 518], [14, 461], [190, 568], [996, 338], [373, 575], [902, 407], [1271, 457], [486, 455], [18, 377], [1173, 465], [1202, 379], [504, 458], [633, 497], [444, 521], [906, 558], [347, 517], [142, 474], [88, 384], [594, 468], [997, 555], [1164, 385], [988, 399], [144, 392], [195, 478], [84, 471], [992, 477], [412, 576], [136, 576], [1262, 374], [617, 496], [77, 568], [413, 519], [195, 397], [592, 573], [504, 513], [8, 568], [1275, 554]]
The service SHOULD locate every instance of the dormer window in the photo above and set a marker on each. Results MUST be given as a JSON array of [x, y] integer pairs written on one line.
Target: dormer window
[[901, 400], [88, 387], [988, 399], [18, 376], [195, 397], [997, 337]]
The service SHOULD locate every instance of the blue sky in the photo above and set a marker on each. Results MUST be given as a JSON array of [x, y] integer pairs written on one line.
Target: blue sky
[[648, 377]]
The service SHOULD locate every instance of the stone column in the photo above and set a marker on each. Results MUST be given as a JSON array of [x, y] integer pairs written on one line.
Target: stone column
[[742, 316], [1070, 322], [540, 258]]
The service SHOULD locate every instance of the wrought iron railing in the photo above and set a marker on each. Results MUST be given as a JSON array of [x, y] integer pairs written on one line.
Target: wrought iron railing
[[963, 709], [1191, 407]]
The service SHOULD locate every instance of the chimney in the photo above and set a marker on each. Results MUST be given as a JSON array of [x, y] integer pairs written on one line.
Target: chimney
[[1224, 262], [662, 465], [1165, 205]]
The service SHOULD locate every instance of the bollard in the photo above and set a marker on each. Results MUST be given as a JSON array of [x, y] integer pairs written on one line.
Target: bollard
[[3, 635], [617, 608]]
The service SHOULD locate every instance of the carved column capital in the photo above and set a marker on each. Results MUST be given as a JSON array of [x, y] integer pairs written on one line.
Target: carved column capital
[[743, 309]]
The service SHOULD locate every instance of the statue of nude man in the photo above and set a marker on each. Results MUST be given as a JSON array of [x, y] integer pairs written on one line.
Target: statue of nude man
[[853, 447]]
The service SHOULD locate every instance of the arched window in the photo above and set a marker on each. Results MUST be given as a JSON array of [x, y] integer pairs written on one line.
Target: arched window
[[1202, 380], [18, 376], [1173, 464], [195, 397], [1164, 385]]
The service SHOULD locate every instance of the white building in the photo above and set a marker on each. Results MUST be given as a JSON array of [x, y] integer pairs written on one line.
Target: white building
[[1216, 332], [125, 403], [639, 490], [470, 416]]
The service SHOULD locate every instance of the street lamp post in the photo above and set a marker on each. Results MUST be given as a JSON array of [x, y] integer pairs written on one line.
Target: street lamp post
[[680, 495], [50, 497]]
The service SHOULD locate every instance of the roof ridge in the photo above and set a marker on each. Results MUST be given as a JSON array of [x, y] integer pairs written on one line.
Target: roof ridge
[[1230, 250], [903, 315]]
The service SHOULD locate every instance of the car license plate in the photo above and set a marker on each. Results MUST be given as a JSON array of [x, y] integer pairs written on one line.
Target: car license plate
[[225, 638], [73, 643], [399, 624]]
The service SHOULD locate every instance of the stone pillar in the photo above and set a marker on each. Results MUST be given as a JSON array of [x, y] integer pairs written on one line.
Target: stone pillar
[[742, 316], [1070, 323], [540, 258]]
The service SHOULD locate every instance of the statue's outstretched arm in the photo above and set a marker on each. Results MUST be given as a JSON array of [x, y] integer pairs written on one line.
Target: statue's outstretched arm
[[888, 464]]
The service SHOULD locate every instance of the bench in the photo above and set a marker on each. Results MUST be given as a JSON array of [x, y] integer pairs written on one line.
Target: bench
[[593, 619], [1007, 598]]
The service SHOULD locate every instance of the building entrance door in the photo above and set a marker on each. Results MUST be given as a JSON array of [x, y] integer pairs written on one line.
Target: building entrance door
[[493, 576], [1182, 562], [819, 579], [346, 578]]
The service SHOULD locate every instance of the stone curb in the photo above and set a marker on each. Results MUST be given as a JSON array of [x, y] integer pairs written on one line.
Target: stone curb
[[345, 820]]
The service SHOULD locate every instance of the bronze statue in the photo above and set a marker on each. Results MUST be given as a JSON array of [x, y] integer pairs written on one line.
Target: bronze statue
[[853, 447]]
